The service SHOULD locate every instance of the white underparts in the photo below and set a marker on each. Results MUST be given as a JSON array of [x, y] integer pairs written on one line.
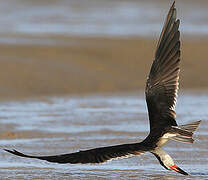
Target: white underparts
[[164, 139]]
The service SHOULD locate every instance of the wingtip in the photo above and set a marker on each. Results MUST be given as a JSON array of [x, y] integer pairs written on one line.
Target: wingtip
[[10, 151], [173, 5], [173, 10], [7, 150]]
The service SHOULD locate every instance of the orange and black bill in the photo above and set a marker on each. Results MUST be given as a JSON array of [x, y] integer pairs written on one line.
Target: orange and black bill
[[178, 170]]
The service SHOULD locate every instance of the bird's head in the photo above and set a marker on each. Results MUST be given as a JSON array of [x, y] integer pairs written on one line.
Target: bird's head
[[167, 162]]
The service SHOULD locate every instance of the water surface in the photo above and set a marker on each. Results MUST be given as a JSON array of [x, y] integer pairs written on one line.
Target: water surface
[[71, 123], [20, 20]]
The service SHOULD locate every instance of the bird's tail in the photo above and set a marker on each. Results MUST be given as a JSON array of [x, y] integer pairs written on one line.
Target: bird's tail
[[184, 133]]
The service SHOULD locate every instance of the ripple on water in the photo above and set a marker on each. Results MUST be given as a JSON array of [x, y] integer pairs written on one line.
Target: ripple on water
[[93, 121]]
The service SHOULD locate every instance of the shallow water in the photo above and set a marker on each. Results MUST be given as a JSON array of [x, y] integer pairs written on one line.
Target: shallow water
[[20, 19], [67, 124]]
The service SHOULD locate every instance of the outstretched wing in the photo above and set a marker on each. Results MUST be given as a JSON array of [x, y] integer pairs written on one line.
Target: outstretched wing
[[97, 155], [162, 83]]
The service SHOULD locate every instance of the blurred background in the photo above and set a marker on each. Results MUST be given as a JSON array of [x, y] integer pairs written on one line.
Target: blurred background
[[72, 77], [56, 47]]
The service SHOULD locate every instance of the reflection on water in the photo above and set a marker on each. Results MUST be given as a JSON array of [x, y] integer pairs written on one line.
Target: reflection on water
[[95, 18], [61, 125]]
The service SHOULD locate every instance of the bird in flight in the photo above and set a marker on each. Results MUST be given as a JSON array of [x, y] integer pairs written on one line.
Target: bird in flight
[[161, 92]]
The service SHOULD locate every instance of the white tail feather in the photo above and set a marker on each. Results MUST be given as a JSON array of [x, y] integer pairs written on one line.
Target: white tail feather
[[184, 133], [191, 127]]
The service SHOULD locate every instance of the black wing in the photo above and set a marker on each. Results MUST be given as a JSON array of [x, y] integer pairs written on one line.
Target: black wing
[[162, 83], [97, 155]]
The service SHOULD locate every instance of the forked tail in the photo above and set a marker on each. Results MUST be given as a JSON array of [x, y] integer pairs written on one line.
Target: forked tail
[[184, 133]]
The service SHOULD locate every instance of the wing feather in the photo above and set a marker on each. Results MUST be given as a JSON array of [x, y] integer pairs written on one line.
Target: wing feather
[[162, 83], [97, 155]]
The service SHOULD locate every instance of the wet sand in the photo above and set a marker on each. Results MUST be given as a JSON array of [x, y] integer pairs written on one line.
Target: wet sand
[[88, 65]]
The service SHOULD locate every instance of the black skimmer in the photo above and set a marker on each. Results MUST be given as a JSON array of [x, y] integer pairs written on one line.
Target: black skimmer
[[161, 92]]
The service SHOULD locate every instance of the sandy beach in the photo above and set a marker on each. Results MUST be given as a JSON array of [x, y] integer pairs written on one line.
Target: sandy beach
[[89, 65], [77, 47]]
